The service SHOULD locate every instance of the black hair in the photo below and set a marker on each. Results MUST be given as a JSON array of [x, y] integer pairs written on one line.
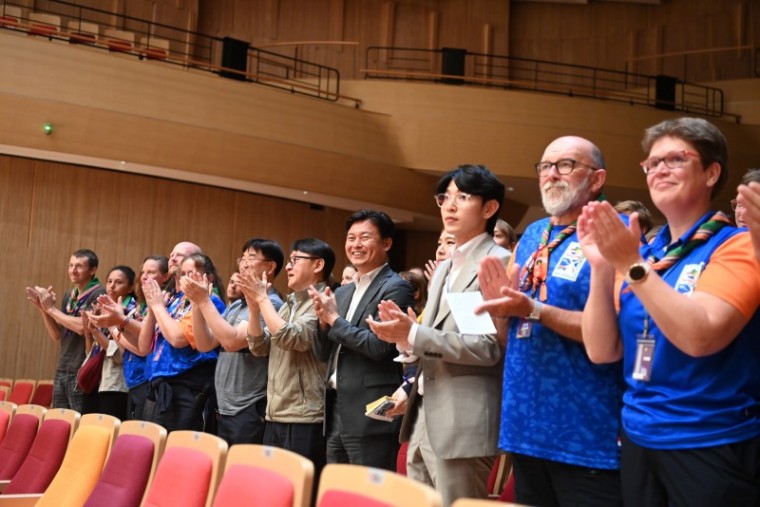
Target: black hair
[[381, 220], [317, 248], [92, 257], [476, 180], [271, 250], [128, 272]]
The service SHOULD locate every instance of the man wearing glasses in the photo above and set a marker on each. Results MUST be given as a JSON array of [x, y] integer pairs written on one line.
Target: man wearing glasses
[[360, 367], [560, 413], [295, 409], [452, 415], [240, 378]]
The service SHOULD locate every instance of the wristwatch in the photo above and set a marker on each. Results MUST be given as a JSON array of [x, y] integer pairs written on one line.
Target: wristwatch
[[637, 273], [535, 313]]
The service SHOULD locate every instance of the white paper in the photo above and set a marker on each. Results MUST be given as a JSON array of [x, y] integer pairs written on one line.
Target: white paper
[[462, 305]]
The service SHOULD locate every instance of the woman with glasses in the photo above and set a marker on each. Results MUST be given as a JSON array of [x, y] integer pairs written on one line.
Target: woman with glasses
[[687, 328]]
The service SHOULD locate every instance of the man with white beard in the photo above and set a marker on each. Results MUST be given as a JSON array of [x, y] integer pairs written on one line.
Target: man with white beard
[[560, 412]]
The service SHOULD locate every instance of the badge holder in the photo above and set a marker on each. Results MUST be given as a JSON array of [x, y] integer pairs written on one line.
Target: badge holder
[[642, 368]]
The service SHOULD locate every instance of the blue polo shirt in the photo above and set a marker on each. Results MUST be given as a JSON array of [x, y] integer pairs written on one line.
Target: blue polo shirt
[[692, 402], [556, 404]]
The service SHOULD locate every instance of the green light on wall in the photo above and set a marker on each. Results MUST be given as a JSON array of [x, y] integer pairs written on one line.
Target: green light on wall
[[47, 128]]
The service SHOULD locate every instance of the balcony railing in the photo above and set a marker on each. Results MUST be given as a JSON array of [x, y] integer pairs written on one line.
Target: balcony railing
[[462, 67]]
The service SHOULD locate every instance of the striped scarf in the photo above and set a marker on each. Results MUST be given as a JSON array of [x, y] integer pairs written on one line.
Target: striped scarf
[[701, 235]]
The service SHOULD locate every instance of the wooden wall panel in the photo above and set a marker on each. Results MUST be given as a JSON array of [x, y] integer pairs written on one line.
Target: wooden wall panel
[[51, 209]]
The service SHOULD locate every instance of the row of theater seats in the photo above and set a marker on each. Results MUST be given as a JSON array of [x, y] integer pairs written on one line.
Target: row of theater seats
[[83, 32], [23, 391], [57, 457]]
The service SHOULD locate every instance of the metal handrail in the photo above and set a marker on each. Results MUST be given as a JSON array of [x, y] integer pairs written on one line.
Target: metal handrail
[[517, 73], [190, 50]]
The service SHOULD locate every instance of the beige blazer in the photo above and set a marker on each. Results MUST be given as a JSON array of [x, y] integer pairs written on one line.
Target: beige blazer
[[462, 373]]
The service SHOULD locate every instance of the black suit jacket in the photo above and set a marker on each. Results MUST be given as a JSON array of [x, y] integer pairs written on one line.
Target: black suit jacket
[[366, 370]]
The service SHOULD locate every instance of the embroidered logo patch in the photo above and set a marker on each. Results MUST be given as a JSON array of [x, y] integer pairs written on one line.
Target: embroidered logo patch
[[571, 262], [687, 280]]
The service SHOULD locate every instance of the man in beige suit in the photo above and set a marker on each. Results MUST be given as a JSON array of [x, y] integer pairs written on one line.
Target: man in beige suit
[[453, 434]]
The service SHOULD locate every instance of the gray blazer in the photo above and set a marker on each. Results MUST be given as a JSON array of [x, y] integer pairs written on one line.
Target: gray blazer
[[462, 373]]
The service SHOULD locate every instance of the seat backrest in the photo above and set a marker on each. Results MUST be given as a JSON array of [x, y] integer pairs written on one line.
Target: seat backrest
[[4, 390], [108, 422], [44, 458], [81, 467], [65, 414], [37, 411], [43, 395], [260, 475], [16, 444], [131, 465], [188, 471], [22, 391], [347, 485], [6, 382], [7, 411]]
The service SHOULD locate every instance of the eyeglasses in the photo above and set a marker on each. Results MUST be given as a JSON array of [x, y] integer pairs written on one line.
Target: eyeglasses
[[673, 160], [252, 258], [459, 199], [736, 205], [295, 258], [564, 166]]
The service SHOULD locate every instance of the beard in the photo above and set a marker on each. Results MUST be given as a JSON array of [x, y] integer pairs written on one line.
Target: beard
[[569, 197]]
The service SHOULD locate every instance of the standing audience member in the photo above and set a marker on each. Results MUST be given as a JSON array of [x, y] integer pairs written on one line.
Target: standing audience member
[[241, 378], [504, 235], [295, 409], [181, 377], [348, 275], [446, 244], [65, 325], [360, 368], [453, 434], [687, 328], [112, 394], [645, 218], [419, 289], [128, 325], [564, 445], [737, 205], [749, 195]]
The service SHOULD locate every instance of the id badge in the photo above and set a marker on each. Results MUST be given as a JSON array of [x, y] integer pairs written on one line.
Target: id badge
[[524, 329], [642, 368]]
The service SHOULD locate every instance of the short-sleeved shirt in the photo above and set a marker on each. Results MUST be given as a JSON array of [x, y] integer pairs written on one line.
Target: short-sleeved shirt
[[692, 402], [72, 351], [556, 404], [241, 377], [164, 360]]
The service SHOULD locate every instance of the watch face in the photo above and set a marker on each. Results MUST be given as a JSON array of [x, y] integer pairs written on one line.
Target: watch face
[[637, 272]]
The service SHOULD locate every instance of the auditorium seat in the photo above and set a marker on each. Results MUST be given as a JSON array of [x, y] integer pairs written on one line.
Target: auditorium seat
[[130, 467], [22, 391], [154, 49], [188, 454], [18, 439], [46, 25], [43, 395], [82, 32], [118, 40], [44, 458], [263, 476], [344, 485]]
